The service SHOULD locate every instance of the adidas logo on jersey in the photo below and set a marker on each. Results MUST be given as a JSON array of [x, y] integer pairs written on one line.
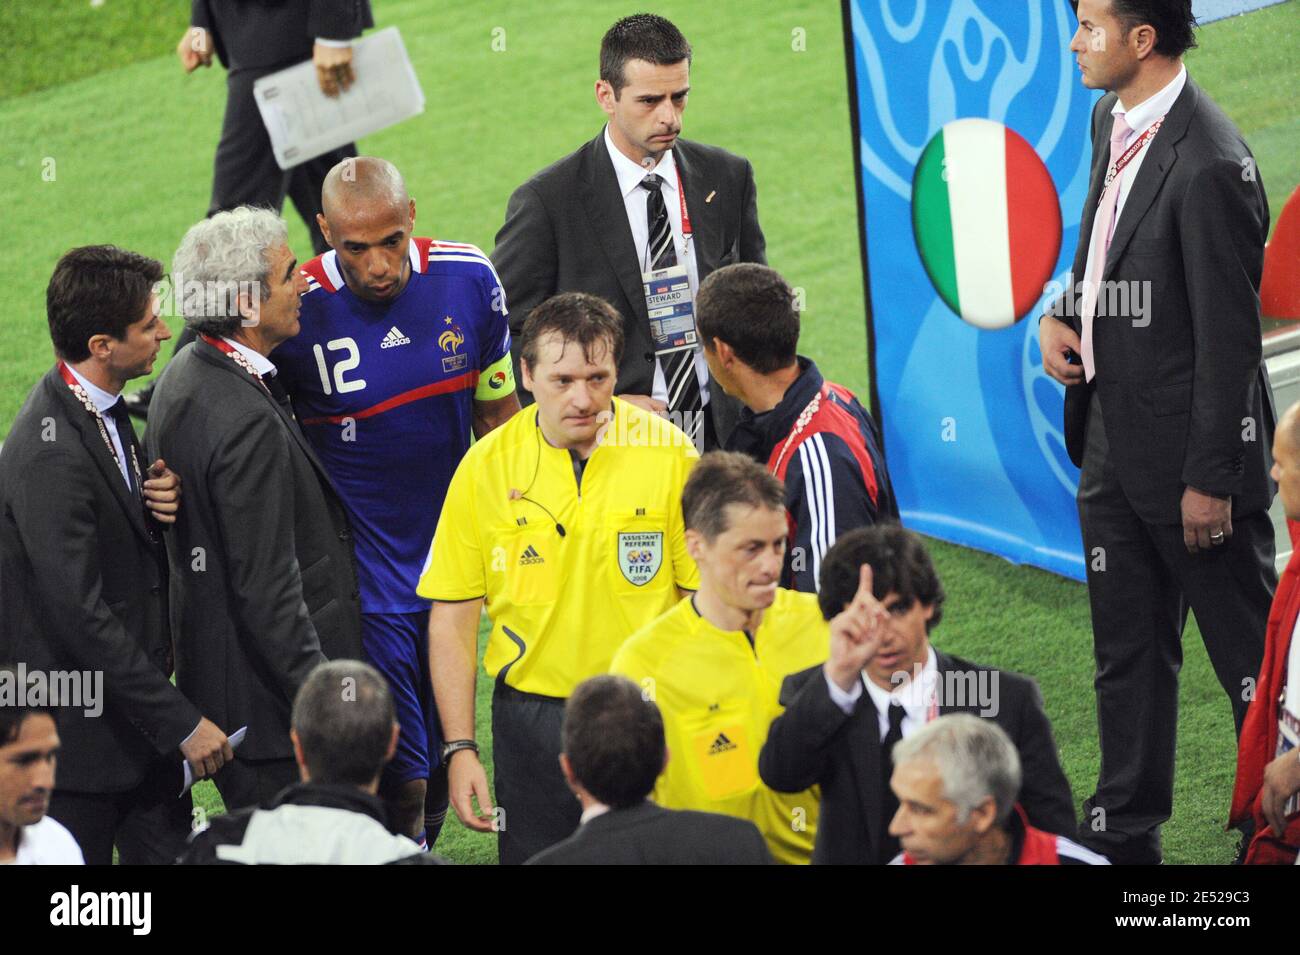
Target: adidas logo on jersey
[[721, 745], [394, 338], [530, 556]]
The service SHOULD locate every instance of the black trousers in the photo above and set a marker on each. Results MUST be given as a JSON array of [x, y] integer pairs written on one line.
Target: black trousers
[[538, 808], [149, 824], [246, 783], [1141, 582]]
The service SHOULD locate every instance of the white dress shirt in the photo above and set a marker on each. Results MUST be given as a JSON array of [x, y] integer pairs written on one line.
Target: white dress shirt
[[261, 364], [629, 176], [47, 843], [103, 401], [592, 811], [916, 696]]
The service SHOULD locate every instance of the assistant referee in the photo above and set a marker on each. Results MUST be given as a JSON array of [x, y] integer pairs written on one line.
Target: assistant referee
[[716, 661], [567, 522]]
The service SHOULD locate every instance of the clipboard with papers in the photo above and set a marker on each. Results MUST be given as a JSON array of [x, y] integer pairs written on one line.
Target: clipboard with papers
[[304, 123]]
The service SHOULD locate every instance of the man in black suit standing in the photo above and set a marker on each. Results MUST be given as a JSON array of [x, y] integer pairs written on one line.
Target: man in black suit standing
[[254, 38], [1168, 408], [882, 683], [638, 199], [264, 585], [83, 577], [614, 751]]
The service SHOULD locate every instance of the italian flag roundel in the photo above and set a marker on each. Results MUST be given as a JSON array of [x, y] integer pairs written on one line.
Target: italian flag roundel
[[987, 221]]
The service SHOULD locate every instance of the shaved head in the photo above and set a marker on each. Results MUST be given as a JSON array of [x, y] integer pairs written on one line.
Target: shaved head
[[367, 218], [362, 183]]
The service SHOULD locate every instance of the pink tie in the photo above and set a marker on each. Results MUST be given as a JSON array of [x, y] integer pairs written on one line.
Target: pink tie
[[1103, 227]]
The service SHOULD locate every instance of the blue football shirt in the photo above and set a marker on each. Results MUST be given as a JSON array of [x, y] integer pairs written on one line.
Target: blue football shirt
[[385, 393]]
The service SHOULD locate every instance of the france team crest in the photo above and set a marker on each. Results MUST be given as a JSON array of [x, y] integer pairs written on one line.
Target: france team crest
[[640, 554]]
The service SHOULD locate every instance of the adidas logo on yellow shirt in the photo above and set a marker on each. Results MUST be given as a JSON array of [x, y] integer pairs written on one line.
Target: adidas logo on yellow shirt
[[721, 745], [530, 556]]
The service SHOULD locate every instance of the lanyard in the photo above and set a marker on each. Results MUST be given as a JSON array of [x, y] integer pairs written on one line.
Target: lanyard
[[681, 197], [1118, 165], [66, 373], [236, 356]]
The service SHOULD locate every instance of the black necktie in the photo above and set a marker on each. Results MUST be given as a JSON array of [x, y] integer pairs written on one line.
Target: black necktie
[[889, 802], [126, 435], [276, 389], [684, 398]]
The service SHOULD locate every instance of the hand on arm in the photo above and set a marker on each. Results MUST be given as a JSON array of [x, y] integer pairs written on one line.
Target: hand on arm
[[162, 492]]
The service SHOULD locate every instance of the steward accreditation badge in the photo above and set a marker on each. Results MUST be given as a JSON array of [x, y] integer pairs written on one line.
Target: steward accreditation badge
[[671, 308], [640, 554]]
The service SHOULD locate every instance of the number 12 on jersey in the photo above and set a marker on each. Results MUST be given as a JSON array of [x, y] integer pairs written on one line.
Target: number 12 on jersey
[[345, 365]]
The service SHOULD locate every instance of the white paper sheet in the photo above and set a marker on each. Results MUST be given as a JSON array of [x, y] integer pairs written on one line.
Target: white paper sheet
[[304, 123]]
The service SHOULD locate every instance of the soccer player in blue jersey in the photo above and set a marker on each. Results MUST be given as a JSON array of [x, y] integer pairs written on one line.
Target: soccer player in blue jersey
[[404, 352]]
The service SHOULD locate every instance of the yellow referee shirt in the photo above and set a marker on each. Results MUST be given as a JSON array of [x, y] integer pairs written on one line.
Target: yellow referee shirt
[[567, 573], [719, 695]]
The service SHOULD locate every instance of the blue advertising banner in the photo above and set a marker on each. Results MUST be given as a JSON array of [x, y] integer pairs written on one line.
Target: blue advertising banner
[[973, 148]]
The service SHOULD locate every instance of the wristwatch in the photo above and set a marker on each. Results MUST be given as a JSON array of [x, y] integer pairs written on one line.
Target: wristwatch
[[455, 746]]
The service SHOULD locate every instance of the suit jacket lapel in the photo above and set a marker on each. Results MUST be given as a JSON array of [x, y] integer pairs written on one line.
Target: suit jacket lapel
[[1159, 159], [608, 217], [223, 361], [704, 220], [81, 420]]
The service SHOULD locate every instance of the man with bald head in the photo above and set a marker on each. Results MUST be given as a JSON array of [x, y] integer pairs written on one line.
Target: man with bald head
[[1264, 800], [404, 354]]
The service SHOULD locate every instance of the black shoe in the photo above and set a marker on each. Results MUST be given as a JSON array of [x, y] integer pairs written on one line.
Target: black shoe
[[137, 403]]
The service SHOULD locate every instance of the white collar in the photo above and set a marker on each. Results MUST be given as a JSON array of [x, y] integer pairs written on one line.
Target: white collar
[[261, 364], [592, 811], [1153, 107], [630, 174], [102, 399], [913, 695]]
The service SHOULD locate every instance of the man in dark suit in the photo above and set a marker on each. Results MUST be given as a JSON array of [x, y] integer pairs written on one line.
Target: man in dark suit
[[1168, 408], [613, 752], [83, 577], [254, 38], [882, 683], [635, 199], [263, 579]]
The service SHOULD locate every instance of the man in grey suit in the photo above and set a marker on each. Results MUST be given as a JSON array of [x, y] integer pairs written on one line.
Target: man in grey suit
[[83, 577], [614, 750], [263, 578], [633, 200], [1168, 408]]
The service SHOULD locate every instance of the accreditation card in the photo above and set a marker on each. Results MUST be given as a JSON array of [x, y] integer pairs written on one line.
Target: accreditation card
[[671, 308]]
